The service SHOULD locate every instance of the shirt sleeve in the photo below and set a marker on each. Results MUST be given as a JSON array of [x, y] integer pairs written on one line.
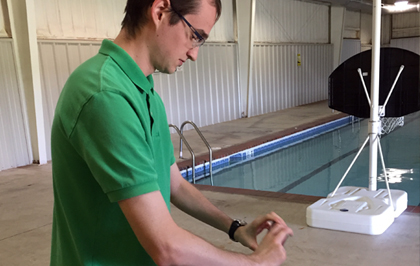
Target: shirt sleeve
[[114, 141]]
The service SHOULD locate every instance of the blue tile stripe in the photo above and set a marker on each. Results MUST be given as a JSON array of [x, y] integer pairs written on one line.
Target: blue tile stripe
[[202, 170]]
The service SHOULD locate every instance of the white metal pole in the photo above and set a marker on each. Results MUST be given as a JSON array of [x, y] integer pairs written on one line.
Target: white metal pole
[[374, 123]]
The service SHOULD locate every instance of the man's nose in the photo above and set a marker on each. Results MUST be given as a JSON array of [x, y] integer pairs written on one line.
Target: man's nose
[[193, 53]]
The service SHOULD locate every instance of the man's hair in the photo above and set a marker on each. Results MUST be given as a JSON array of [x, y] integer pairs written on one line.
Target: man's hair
[[136, 12]]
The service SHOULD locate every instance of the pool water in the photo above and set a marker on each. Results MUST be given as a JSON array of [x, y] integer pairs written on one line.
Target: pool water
[[315, 166]]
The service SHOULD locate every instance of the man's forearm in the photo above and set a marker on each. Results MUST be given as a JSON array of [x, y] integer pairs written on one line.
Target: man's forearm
[[193, 250], [191, 201], [168, 244]]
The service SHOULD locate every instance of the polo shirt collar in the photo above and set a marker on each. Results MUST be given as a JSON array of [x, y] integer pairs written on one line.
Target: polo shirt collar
[[128, 65]]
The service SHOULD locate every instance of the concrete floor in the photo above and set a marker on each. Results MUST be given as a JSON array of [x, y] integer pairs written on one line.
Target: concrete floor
[[26, 202]]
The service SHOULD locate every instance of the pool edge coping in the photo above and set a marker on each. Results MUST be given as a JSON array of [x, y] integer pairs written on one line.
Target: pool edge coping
[[285, 197]]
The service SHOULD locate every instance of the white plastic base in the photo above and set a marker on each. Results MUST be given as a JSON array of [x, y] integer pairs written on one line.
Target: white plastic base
[[355, 209]]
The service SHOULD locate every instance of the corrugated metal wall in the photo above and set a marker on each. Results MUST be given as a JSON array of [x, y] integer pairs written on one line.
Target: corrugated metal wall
[[223, 30], [57, 60], [350, 47], [278, 81], [366, 29], [406, 25], [69, 19], [205, 91], [286, 32], [99, 19], [352, 26], [386, 29], [3, 32], [411, 44], [359, 26], [291, 21], [14, 146]]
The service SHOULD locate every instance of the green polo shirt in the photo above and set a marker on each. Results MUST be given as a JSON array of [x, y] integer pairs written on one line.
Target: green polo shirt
[[110, 141]]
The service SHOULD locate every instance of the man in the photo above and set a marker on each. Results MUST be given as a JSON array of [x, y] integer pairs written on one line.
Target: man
[[114, 170]]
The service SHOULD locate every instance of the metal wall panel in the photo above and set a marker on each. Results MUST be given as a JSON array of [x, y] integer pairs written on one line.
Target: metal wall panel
[[406, 25], [223, 30], [366, 28], [69, 19], [386, 29], [3, 32], [352, 25], [350, 47], [14, 145], [98, 19], [205, 91], [57, 60], [278, 82], [290, 21], [410, 44], [352, 20]]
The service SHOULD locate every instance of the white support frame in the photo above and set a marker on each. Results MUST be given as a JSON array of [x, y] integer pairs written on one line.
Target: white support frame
[[355, 209]]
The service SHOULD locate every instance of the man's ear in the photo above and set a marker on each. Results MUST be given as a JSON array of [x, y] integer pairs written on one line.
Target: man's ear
[[160, 10]]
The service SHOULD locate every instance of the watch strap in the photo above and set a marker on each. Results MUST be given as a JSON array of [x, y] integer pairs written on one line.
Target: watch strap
[[233, 227]]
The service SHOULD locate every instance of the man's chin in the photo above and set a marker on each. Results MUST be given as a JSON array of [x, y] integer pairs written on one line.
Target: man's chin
[[167, 71]]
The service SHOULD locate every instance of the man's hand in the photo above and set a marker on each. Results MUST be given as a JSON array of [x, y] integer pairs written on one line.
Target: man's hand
[[271, 250], [247, 235]]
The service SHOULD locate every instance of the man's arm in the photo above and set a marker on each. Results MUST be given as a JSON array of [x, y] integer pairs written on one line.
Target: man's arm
[[188, 199], [169, 244], [191, 201]]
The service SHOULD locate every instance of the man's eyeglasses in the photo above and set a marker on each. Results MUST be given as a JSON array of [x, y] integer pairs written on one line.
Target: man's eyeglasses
[[198, 40]]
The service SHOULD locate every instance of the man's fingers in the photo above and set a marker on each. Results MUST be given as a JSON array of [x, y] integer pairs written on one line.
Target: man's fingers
[[264, 225], [277, 219], [272, 217], [271, 247], [281, 232]]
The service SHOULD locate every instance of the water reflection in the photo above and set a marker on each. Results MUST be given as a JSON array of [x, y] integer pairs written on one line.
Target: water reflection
[[396, 175]]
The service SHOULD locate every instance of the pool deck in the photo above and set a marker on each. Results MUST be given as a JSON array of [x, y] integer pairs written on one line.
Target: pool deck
[[26, 201], [237, 135]]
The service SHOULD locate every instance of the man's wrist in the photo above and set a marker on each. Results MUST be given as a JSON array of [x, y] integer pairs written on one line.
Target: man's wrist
[[233, 227]]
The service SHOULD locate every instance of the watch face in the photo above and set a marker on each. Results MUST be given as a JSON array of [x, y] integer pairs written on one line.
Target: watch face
[[241, 222]]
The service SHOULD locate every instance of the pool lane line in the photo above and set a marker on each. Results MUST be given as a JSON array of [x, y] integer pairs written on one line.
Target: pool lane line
[[316, 171]]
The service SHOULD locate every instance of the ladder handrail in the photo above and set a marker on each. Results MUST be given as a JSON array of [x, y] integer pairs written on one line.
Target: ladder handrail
[[205, 142], [181, 137]]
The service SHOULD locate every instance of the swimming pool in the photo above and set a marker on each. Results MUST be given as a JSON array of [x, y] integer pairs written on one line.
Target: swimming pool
[[315, 166]]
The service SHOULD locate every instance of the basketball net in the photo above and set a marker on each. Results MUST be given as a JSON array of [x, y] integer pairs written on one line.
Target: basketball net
[[388, 124]]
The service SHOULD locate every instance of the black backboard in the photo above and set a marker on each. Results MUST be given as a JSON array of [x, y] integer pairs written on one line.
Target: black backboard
[[346, 93]]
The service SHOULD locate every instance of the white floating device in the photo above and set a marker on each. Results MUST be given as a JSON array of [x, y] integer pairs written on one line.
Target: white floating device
[[355, 209]]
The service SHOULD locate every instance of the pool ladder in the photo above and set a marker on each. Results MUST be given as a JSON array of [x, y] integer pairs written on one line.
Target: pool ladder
[[182, 140]]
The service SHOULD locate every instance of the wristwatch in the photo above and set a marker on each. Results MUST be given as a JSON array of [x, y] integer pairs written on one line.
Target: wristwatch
[[235, 225]]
